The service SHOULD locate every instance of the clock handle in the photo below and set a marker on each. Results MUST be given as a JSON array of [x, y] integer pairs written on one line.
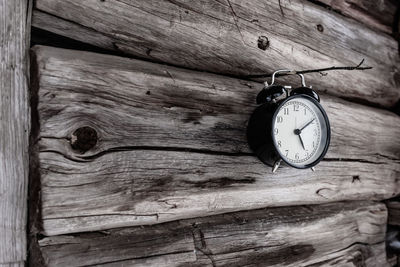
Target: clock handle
[[290, 72]]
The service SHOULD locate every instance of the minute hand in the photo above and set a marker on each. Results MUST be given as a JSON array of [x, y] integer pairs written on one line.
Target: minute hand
[[306, 125]]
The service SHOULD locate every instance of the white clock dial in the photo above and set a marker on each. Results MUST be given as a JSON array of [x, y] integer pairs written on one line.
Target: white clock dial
[[299, 131]]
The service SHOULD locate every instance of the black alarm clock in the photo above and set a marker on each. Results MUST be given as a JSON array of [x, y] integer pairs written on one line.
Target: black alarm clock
[[289, 126]]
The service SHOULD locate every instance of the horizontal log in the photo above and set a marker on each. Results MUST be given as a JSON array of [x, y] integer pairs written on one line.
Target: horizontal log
[[394, 212], [147, 187], [359, 255], [157, 143], [167, 107], [236, 38], [13, 264], [335, 234], [376, 14]]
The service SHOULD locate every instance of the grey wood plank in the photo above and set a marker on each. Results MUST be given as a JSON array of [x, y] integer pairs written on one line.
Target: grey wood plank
[[171, 144], [146, 187], [14, 129], [320, 235], [162, 106], [222, 37], [13, 264], [376, 14], [358, 255]]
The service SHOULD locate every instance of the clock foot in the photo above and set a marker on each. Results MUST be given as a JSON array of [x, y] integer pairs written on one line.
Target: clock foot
[[313, 169], [276, 165]]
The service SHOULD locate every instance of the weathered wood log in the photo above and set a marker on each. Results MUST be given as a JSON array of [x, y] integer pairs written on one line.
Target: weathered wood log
[[338, 234], [125, 142], [394, 212], [162, 106], [237, 38], [358, 255], [376, 14], [13, 264], [14, 129]]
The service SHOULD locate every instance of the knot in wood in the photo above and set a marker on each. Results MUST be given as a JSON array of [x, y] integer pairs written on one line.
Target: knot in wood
[[320, 28], [263, 42], [84, 139]]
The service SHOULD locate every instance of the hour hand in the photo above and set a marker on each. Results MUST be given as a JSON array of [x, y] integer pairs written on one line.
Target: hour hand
[[301, 141]]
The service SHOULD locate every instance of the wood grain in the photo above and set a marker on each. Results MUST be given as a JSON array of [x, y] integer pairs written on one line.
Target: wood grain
[[170, 144], [338, 234], [222, 37], [376, 14], [14, 129], [13, 264], [358, 255]]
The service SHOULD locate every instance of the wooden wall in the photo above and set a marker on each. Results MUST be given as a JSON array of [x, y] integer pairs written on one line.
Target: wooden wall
[[14, 130], [142, 156]]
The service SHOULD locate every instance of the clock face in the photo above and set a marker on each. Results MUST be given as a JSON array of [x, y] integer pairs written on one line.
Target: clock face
[[300, 131]]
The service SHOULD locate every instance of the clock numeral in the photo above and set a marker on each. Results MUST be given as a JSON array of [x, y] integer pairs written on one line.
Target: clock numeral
[[279, 144], [305, 111], [287, 152], [279, 119], [286, 111], [296, 156], [276, 131], [315, 132], [307, 153], [313, 144], [296, 107]]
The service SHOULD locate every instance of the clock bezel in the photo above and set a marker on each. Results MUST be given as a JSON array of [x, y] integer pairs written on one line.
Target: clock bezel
[[328, 131]]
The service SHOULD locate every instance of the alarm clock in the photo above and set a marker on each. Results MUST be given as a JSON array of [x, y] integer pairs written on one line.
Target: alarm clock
[[289, 126]]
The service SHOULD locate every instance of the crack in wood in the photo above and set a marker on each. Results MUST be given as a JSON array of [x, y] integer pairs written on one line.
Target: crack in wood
[[352, 160], [280, 8], [200, 244], [169, 74], [156, 148], [156, 215], [318, 192], [236, 21]]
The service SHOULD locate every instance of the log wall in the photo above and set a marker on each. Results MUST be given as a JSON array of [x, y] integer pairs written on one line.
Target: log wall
[[144, 160], [378, 15], [179, 148]]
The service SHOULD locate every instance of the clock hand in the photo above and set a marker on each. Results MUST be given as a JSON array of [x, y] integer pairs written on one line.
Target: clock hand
[[302, 143], [298, 132], [306, 125]]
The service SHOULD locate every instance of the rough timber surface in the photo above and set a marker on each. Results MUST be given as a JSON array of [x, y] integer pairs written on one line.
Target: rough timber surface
[[223, 37], [338, 234], [379, 15], [171, 145], [14, 129]]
